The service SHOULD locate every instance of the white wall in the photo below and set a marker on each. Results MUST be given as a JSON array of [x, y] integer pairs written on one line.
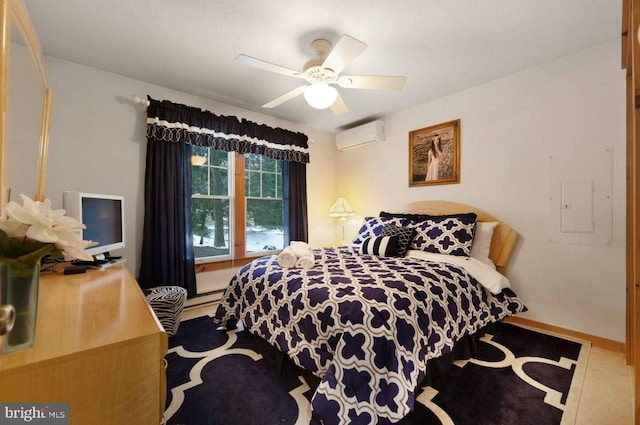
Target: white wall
[[98, 144], [509, 127]]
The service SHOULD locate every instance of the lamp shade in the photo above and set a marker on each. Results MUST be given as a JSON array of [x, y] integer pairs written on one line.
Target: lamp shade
[[341, 209], [320, 96]]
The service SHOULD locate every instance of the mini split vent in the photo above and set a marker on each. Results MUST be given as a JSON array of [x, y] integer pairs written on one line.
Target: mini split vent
[[360, 136]]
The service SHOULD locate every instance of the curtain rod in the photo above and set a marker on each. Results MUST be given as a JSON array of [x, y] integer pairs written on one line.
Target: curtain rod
[[139, 100]]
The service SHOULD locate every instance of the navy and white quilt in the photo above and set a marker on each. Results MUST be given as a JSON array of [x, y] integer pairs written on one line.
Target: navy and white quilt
[[365, 325]]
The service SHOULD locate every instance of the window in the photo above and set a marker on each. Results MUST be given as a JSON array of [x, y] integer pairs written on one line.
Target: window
[[263, 194], [211, 202], [216, 206]]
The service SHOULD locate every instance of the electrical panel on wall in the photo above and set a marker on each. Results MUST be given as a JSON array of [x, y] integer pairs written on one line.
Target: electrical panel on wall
[[580, 198], [576, 206]]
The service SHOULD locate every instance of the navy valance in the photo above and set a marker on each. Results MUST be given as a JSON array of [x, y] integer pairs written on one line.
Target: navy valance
[[173, 122]]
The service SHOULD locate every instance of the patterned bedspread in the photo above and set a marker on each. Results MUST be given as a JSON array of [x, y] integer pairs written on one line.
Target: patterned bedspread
[[365, 325]]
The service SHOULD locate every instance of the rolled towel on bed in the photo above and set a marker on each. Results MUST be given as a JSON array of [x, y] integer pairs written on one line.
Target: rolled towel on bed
[[306, 261], [304, 255], [287, 258], [300, 249]]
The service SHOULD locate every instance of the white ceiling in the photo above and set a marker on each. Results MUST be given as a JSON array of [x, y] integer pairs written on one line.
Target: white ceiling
[[442, 46]]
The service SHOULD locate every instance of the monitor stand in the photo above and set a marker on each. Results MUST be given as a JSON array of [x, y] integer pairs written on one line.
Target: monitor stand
[[101, 261]]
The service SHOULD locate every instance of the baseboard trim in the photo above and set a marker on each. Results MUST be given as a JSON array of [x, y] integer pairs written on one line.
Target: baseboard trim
[[202, 299], [607, 344]]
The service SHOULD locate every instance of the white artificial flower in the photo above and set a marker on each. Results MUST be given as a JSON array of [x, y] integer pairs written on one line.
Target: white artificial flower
[[69, 240], [14, 229], [36, 215], [36, 220], [77, 250]]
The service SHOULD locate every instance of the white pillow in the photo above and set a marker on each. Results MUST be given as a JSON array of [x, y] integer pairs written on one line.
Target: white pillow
[[482, 242]]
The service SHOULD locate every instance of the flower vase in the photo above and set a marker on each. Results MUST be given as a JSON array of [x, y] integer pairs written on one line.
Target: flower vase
[[21, 285]]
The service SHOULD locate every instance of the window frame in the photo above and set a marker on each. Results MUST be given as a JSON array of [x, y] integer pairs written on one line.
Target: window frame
[[238, 255], [229, 197]]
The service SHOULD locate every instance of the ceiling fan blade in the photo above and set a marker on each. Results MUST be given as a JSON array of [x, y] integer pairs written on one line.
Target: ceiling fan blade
[[372, 82], [345, 50], [339, 107], [285, 97], [267, 66]]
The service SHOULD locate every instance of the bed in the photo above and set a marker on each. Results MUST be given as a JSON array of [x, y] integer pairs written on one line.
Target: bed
[[367, 318]]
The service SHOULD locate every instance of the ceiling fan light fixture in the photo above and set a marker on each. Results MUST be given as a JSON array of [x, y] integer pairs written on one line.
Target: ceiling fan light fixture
[[320, 96], [323, 70]]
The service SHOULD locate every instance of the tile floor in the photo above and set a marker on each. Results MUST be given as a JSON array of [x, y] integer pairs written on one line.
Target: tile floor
[[606, 397], [607, 394]]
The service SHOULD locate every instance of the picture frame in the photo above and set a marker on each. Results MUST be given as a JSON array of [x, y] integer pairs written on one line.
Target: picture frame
[[434, 154]]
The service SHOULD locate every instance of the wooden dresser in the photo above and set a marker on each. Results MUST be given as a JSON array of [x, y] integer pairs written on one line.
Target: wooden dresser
[[98, 346]]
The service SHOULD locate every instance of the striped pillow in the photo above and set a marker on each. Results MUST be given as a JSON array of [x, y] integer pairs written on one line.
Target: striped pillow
[[404, 234], [383, 246]]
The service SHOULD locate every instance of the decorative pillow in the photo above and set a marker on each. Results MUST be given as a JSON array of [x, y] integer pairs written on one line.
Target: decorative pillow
[[372, 227], [482, 242], [445, 235], [404, 234], [382, 246]]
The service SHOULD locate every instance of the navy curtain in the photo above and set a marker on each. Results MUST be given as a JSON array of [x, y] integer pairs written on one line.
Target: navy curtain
[[167, 240], [173, 122], [167, 245], [295, 201]]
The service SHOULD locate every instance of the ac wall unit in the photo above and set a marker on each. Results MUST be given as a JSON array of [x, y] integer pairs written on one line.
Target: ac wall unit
[[360, 136]]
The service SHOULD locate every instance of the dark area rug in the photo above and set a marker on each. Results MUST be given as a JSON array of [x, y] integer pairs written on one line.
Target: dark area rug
[[517, 377]]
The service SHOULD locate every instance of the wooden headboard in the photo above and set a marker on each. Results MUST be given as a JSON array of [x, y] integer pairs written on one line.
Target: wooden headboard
[[504, 237]]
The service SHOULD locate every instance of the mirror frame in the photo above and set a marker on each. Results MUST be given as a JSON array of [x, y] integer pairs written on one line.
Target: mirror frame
[[15, 12]]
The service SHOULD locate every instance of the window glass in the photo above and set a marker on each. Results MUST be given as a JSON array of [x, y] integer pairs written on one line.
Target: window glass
[[265, 229], [264, 225], [269, 182], [219, 158], [210, 208], [252, 186], [269, 164], [252, 161], [210, 227], [199, 180], [219, 181]]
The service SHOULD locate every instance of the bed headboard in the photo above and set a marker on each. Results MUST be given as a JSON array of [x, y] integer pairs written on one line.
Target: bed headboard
[[504, 237]]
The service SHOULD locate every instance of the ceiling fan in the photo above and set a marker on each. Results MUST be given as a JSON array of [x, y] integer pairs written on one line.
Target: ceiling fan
[[324, 70]]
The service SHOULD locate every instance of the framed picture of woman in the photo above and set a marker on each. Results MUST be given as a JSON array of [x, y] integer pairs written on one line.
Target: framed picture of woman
[[434, 154]]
